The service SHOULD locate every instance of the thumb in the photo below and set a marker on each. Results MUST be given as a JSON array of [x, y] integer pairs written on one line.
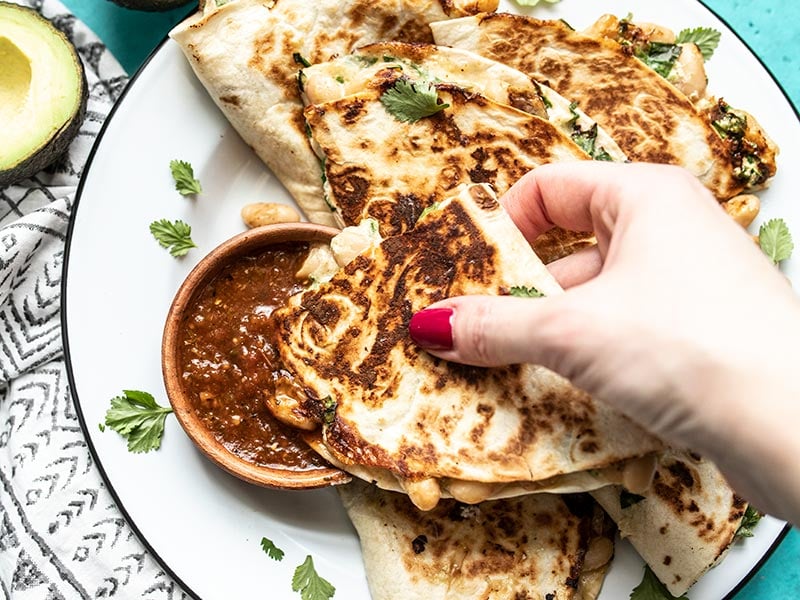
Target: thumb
[[496, 330]]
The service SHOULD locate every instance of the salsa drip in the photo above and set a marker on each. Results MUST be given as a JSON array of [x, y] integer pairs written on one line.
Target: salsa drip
[[230, 362]]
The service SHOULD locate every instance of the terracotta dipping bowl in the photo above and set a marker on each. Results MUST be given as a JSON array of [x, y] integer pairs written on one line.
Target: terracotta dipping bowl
[[251, 242]]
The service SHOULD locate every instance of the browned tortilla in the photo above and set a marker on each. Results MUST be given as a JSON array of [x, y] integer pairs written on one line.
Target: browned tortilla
[[527, 548], [648, 117]]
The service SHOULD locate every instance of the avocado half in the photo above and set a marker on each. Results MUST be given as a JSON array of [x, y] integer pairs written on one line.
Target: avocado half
[[43, 93]]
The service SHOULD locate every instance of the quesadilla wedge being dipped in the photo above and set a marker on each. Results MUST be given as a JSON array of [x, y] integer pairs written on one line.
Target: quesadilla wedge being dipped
[[527, 548], [247, 53], [683, 524], [650, 119], [430, 427]]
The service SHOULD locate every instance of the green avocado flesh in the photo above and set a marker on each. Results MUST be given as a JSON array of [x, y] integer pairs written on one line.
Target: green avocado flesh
[[42, 92]]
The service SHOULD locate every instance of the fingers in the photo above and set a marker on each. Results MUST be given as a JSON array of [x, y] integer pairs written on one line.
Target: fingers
[[557, 194], [579, 267], [486, 330], [585, 195]]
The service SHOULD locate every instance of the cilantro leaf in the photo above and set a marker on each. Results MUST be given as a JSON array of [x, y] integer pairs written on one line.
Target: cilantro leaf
[[749, 521], [271, 549], [659, 56], [137, 417], [428, 210], [410, 102], [775, 240], [310, 585], [183, 174], [300, 59], [706, 38], [328, 410], [521, 291], [652, 589], [177, 236]]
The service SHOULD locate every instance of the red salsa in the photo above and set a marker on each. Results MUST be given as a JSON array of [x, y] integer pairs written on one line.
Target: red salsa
[[230, 363]]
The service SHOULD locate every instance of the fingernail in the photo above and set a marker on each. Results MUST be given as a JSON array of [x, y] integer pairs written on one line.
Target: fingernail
[[432, 329]]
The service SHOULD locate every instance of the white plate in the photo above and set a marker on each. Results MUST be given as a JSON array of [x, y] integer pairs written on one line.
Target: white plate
[[204, 525]]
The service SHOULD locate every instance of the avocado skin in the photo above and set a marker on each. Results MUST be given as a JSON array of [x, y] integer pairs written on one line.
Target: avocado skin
[[151, 5], [57, 144]]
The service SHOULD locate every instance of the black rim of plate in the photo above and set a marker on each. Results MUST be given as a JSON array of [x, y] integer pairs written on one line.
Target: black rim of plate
[[65, 334]]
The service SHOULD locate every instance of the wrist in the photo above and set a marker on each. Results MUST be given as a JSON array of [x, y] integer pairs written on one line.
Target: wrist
[[754, 437]]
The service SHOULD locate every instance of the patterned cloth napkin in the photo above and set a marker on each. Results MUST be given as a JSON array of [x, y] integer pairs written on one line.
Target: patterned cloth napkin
[[61, 535]]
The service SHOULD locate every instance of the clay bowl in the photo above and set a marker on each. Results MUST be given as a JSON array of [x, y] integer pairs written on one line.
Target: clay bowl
[[250, 242]]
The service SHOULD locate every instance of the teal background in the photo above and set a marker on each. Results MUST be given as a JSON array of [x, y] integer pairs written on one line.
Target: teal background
[[770, 27]]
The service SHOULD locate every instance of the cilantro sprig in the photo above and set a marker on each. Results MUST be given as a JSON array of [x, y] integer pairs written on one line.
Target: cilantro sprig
[[749, 522], [269, 547], [705, 38], [775, 240], [175, 236], [651, 588], [310, 585], [183, 174], [409, 102], [138, 418], [521, 291], [659, 56]]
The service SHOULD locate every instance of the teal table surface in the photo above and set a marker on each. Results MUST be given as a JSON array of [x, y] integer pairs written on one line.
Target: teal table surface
[[770, 27]]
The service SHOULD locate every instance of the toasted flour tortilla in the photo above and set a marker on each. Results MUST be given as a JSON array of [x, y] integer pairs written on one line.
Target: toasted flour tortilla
[[379, 167], [526, 548], [247, 53], [685, 523], [352, 73], [646, 115], [431, 425]]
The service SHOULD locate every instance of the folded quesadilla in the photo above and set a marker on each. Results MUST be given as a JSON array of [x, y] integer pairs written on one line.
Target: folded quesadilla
[[437, 428], [247, 53], [683, 524], [650, 119], [391, 170], [352, 73], [527, 548]]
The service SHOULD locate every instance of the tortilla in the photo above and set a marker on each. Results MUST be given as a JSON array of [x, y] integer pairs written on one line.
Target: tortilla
[[352, 73], [684, 524], [526, 548], [246, 53], [379, 167], [438, 427], [647, 116]]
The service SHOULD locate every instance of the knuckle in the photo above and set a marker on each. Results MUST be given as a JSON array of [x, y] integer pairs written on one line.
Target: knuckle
[[479, 327]]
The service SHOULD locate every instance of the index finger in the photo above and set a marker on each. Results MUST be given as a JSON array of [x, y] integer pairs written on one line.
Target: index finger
[[580, 196]]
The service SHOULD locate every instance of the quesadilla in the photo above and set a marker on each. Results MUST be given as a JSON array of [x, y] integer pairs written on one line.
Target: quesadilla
[[381, 167], [351, 73], [683, 524], [246, 53], [650, 119], [527, 548], [437, 428]]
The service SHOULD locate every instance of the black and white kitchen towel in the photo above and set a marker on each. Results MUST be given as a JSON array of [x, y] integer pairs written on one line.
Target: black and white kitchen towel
[[61, 535]]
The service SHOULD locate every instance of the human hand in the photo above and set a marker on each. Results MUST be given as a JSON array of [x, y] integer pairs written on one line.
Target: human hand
[[675, 318]]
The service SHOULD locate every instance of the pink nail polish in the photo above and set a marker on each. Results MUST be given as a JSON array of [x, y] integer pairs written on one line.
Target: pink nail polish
[[432, 329]]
